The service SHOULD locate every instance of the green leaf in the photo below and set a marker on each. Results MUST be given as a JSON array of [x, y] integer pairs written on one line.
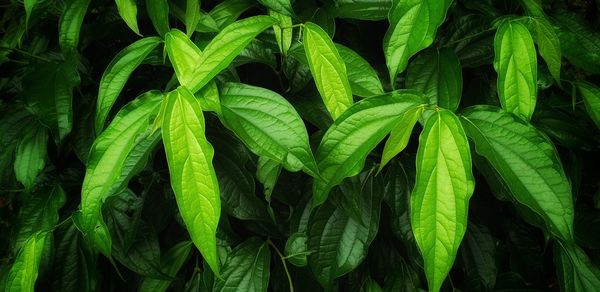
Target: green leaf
[[192, 16], [527, 162], [77, 262], [339, 242], [24, 271], [363, 79], [400, 135], [437, 73], [478, 253], [579, 42], [193, 178], [70, 25], [268, 125], [221, 50], [328, 69], [363, 9], [184, 55], [515, 62], [283, 31], [30, 157], [549, 46], [158, 11], [440, 199], [575, 270], [116, 74], [413, 25], [349, 140], [267, 172], [280, 6], [116, 155], [226, 12], [209, 98], [128, 11], [29, 6], [296, 249], [591, 99], [171, 263], [247, 268]]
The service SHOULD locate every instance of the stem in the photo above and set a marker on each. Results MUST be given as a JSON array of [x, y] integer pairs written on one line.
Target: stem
[[287, 272], [28, 54]]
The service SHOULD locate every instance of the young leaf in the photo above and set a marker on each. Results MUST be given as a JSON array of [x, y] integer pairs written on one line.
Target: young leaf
[[158, 11], [247, 268], [116, 74], [30, 157], [413, 25], [224, 47], [116, 155], [268, 125], [440, 199], [70, 25], [363, 79], [516, 63], [171, 263], [527, 162], [400, 135], [591, 99], [354, 134], [193, 178], [437, 73], [283, 31], [362, 9], [328, 69], [192, 16], [183, 54], [280, 6], [575, 270], [128, 11]]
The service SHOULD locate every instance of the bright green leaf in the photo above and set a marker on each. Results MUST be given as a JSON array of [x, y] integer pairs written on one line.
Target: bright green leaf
[[440, 199], [70, 25], [158, 11], [128, 11], [363, 79], [247, 268], [192, 16], [283, 31], [400, 135], [193, 178], [328, 69], [591, 99], [549, 46], [30, 157], [226, 12], [24, 271], [184, 55], [281, 6]]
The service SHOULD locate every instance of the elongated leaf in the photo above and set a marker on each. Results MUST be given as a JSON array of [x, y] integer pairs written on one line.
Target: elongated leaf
[[184, 55], [440, 199], [528, 163], [349, 140], [24, 271], [223, 48], [116, 155], [29, 6], [247, 268], [363, 9], [77, 262], [193, 178], [30, 157], [128, 11], [281, 6], [192, 15], [438, 75], [413, 24], [268, 125], [400, 135], [478, 253], [70, 25], [579, 43], [363, 79], [328, 69], [158, 11], [116, 74], [591, 99], [549, 46], [226, 12], [575, 270], [171, 262], [516, 63], [339, 242], [283, 31]]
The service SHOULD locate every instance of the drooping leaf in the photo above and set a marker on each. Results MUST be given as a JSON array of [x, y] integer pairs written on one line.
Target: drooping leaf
[[70, 25], [158, 11], [268, 125], [328, 69], [413, 25], [128, 11], [30, 157], [591, 99], [283, 31], [527, 162], [192, 16], [116, 74], [171, 262], [440, 200], [516, 64], [478, 252], [116, 155], [579, 43], [193, 178], [247, 268], [400, 135], [548, 45], [77, 262], [437, 73], [575, 270], [363, 79], [281, 6], [349, 140], [363, 9]]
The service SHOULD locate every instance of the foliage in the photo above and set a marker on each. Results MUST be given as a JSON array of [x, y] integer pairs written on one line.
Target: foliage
[[273, 145]]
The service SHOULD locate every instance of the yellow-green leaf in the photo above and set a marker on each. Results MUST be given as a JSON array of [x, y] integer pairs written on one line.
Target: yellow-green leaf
[[400, 135], [128, 11]]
